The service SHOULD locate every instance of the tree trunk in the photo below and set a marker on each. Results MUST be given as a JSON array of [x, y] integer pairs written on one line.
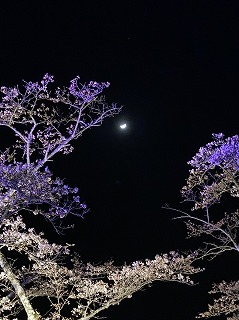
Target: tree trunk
[[31, 313]]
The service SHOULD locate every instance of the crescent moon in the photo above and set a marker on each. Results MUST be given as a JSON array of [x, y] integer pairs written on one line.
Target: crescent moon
[[123, 126]]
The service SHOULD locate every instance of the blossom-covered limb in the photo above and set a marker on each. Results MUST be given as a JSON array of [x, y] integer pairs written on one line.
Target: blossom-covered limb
[[219, 236], [85, 289], [45, 122], [227, 303]]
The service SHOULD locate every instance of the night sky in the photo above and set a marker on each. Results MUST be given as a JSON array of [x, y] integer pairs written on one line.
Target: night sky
[[174, 65]]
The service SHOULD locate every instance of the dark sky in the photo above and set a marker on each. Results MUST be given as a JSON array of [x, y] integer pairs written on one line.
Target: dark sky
[[174, 66]]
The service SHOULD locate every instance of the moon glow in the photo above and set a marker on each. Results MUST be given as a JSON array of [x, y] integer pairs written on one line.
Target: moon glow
[[123, 126]]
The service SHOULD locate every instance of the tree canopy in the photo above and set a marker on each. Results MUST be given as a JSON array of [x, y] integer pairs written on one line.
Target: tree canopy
[[44, 124]]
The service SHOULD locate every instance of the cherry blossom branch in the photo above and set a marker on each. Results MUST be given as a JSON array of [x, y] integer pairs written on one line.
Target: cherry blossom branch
[[208, 228], [85, 288], [227, 304], [51, 132]]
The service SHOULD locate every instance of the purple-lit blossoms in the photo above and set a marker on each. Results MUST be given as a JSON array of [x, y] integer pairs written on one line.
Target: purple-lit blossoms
[[215, 170], [86, 92]]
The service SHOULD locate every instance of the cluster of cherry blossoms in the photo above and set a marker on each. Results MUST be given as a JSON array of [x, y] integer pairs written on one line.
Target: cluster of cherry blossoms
[[214, 172], [45, 122], [227, 303], [86, 92], [24, 188]]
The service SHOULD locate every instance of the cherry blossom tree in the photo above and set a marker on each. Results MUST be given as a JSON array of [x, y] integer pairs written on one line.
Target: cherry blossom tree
[[44, 124], [214, 173]]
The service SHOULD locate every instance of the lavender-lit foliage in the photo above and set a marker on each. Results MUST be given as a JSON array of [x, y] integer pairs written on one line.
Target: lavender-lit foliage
[[44, 124], [215, 170], [21, 187], [87, 92]]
